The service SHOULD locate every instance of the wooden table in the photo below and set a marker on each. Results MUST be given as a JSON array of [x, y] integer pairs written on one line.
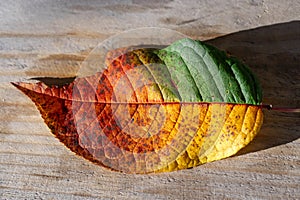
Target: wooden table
[[52, 38]]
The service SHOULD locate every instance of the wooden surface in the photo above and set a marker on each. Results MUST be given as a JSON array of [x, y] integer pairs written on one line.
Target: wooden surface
[[52, 38]]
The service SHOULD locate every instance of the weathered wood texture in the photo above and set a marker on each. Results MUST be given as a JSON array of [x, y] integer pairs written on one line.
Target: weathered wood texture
[[52, 38]]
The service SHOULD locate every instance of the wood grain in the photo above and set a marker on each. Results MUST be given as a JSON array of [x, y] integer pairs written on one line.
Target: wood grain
[[52, 38]]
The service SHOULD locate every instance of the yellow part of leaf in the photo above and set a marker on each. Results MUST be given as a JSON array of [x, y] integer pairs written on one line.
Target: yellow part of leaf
[[224, 130]]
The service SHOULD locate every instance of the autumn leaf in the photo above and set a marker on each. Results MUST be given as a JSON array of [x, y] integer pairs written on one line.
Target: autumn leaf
[[155, 110]]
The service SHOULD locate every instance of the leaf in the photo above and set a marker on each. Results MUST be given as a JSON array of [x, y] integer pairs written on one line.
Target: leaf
[[155, 110]]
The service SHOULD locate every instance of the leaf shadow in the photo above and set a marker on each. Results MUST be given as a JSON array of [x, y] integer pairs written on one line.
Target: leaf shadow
[[273, 54]]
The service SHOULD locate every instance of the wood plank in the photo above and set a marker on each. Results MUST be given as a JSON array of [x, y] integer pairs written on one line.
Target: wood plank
[[52, 38]]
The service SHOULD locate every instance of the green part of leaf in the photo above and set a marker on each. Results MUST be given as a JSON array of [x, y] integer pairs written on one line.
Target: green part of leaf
[[203, 73], [158, 74]]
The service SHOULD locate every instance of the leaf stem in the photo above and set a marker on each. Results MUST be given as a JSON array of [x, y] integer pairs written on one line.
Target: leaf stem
[[281, 109]]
